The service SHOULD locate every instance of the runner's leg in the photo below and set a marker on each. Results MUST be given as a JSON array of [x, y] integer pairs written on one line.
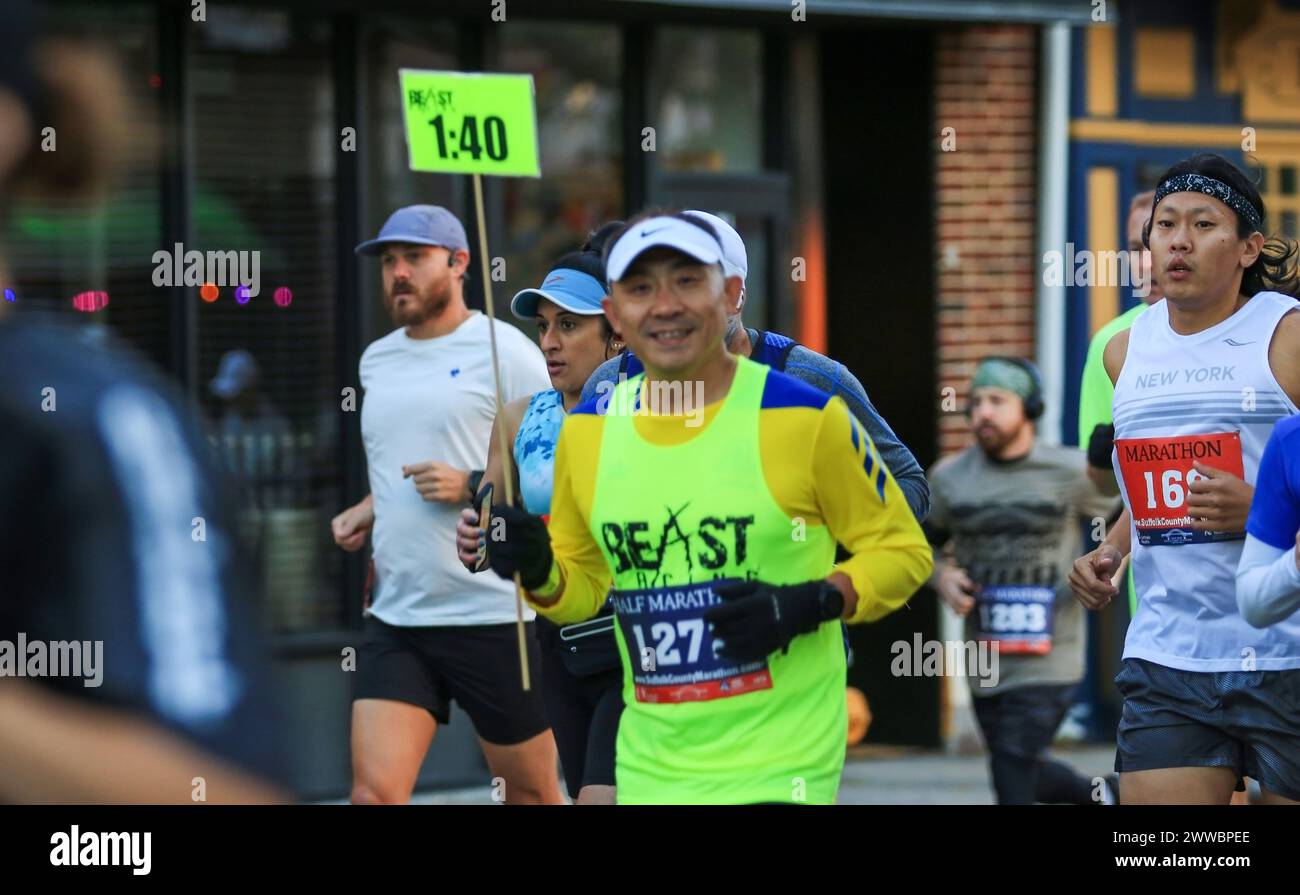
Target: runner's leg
[[1177, 786], [598, 779], [569, 713], [1057, 783], [1013, 778], [481, 667], [1272, 798], [1018, 726], [528, 769], [597, 795], [389, 742], [397, 701]]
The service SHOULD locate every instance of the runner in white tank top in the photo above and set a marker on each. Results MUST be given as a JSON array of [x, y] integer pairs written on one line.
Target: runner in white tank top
[[1200, 381], [1208, 398]]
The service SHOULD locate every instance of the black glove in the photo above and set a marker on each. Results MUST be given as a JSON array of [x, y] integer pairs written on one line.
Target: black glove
[[1100, 444], [517, 541], [756, 619]]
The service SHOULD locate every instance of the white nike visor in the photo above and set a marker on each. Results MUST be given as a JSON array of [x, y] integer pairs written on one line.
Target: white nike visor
[[688, 237]]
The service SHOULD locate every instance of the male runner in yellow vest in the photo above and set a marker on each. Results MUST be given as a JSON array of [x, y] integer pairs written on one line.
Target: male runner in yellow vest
[[711, 495]]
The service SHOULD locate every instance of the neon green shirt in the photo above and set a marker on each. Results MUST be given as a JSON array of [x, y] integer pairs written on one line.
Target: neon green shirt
[[762, 484], [1097, 393]]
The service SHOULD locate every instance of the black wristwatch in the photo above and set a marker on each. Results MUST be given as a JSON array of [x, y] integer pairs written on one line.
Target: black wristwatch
[[830, 602]]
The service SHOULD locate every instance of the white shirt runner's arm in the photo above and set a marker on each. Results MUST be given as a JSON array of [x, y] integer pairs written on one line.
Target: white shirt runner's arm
[[1268, 583]]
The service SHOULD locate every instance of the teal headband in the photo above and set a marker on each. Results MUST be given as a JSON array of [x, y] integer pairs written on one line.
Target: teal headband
[[999, 373]]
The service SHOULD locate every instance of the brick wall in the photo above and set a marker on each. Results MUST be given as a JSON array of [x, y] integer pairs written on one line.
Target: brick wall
[[985, 251]]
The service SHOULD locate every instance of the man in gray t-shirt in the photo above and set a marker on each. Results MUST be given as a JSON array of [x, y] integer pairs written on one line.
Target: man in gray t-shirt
[[1011, 508]]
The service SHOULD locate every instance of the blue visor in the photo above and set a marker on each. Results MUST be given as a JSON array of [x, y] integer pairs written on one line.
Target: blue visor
[[571, 289]]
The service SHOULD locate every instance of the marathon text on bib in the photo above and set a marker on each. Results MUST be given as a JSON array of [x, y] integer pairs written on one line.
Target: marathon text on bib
[[1157, 473], [673, 655], [1016, 617]]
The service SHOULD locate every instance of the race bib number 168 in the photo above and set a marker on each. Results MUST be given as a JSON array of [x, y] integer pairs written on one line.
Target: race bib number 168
[[1157, 474]]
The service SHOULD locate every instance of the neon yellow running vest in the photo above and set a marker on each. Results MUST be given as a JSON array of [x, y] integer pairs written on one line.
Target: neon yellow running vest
[[696, 727]]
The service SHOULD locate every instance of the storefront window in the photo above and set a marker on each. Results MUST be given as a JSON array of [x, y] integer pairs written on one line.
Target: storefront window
[[576, 71], [391, 45], [58, 250], [263, 147], [707, 99], [1275, 178]]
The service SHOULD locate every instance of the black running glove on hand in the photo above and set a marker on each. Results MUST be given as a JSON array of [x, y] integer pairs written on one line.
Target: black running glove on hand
[[756, 619], [1100, 445], [517, 541]]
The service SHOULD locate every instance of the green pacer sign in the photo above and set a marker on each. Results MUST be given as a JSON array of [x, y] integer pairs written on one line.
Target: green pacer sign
[[470, 123]]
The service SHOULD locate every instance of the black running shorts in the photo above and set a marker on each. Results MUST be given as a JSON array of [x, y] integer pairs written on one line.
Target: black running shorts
[[476, 665]]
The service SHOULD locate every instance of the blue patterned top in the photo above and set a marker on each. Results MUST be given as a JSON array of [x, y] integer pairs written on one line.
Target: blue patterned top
[[539, 430]]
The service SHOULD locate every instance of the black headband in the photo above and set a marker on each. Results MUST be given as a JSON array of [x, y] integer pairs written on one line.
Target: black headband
[[1199, 183]]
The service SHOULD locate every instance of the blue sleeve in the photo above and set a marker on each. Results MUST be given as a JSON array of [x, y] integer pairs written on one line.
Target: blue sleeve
[[830, 376], [606, 372], [1275, 512]]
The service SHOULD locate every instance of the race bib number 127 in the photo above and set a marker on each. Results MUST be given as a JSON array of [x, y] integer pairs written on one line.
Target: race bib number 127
[[672, 651], [1157, 473]]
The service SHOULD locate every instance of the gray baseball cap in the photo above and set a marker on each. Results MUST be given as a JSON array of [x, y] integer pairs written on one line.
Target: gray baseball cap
[[430, 225]]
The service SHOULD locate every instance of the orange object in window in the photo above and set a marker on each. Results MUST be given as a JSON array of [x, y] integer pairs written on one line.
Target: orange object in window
[[859, 715]]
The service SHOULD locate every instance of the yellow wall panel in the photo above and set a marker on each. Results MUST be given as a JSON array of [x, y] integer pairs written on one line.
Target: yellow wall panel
[[1102, 89], [1103, 236], [1164, 62]]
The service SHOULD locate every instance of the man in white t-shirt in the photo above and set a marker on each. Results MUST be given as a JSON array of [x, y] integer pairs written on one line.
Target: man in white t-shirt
[[435, 632]]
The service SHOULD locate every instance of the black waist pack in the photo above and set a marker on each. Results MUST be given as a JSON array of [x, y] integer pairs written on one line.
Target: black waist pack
[[589, 648]]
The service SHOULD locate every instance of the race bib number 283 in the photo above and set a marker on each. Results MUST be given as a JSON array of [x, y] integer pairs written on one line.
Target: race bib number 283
[[1157, 473], [1016, 617]]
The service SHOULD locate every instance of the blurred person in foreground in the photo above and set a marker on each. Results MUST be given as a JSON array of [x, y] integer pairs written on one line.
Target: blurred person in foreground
[[105, 560]]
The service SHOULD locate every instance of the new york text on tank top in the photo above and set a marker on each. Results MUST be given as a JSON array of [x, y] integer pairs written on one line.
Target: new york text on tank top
[[1185, 376]]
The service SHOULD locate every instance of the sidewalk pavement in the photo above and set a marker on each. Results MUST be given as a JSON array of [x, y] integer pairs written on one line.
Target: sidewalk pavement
[[882, 775]]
